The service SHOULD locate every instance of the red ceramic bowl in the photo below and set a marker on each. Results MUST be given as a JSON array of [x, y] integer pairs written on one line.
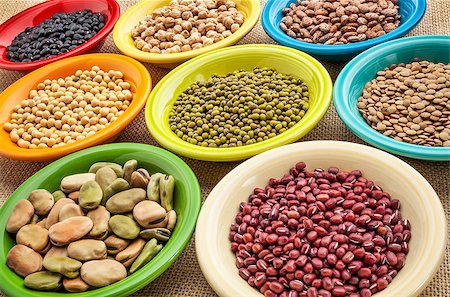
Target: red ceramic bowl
[[36, 14]]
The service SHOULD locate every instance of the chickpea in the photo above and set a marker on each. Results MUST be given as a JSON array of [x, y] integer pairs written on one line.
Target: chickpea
[[234, 27], [190, 19]]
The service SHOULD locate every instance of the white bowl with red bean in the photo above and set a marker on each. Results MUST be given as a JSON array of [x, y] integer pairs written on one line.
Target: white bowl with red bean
[[321, 218]]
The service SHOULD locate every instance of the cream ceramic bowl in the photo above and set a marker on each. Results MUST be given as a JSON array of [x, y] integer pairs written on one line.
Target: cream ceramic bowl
[[419, 203]]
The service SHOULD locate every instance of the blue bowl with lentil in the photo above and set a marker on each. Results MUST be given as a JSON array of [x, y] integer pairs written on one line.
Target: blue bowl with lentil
[[362, 69], [411, 13]]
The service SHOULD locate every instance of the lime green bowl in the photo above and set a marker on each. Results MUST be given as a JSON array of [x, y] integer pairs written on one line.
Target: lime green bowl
[[187, 202], [223, 61]]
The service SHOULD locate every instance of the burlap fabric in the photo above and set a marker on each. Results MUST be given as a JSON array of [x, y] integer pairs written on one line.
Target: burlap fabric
[[184, 277]]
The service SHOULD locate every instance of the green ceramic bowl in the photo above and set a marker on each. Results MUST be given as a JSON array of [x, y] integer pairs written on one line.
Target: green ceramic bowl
[[187, 202]]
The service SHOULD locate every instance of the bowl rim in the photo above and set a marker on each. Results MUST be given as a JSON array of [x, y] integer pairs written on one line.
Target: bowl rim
[[128, 48], [325, 49], [114, 9], [353, 120], [213, 205], [141, 278], [175, 144], [104, 135]]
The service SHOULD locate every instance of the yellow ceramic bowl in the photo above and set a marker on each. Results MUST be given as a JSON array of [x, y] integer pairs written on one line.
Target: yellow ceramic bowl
[[223, 61], [134, 72], [419, 203], [125, 43]]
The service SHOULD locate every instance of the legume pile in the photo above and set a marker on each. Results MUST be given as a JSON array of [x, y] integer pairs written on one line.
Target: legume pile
[[59, 34], [320, 233], [410, 103], [239, 108], [98, 228], [340, 21], [186, 25], [64, 110]]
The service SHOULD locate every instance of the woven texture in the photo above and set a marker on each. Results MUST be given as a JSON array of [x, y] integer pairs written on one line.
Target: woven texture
[[184, 277]]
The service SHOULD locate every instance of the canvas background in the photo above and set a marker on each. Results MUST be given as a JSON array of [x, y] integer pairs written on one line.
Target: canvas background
[[184, 277]]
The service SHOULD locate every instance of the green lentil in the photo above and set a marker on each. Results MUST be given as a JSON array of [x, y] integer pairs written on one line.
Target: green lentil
[[239, 108]]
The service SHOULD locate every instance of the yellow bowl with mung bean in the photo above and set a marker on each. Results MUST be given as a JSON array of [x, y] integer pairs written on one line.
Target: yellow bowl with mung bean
[[124, 41], [283, 60]]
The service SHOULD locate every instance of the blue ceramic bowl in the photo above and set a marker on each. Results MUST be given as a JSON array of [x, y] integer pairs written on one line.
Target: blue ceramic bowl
[[362, 69], [411, 12]]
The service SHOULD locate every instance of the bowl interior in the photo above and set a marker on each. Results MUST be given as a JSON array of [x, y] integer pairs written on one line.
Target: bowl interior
[[125, 42], [37, 14], [411, 11], [134, 72], [419, 203], [224, 61], [351, 81], [187, 201]]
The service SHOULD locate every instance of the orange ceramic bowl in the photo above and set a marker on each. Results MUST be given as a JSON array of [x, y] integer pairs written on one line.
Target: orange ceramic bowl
[[134, 73]]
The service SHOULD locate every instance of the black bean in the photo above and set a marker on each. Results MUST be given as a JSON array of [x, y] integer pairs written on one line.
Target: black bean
[[58, 34]]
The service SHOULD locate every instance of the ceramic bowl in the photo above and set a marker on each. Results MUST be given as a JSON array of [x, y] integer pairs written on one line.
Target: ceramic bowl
[[187, 202], [134, 72], [223, 61], [362, 69], [36, 14], [411, 13], [419, 203], [125, 43]]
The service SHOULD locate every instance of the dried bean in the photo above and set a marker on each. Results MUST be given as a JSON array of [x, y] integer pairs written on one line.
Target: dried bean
[[320, 246], [338, 22]]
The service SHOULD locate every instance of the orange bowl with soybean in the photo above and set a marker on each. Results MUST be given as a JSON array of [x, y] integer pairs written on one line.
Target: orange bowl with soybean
[[134, 73], [125, 43]]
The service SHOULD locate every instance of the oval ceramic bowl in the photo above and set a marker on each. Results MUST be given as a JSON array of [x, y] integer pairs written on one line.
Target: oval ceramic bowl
[[350, 84], [419, 203], [187, 202], [134, 72], [36, 14], [411, 12], [125, 43], [221, 62]]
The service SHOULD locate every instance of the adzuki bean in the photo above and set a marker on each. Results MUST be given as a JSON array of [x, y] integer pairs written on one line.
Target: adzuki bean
[[320, 233]]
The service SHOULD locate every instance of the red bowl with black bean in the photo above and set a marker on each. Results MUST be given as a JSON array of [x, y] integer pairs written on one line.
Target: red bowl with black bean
[[31, 17], [321, 218]]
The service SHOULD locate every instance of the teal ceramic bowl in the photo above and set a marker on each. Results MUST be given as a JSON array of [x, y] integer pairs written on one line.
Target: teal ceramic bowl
[[362, 69], [187, 202]]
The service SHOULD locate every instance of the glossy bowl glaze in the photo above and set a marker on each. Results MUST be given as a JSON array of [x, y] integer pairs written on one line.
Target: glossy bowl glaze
[[187, 202], [36, 14], [125, 43], [134, 72], [362, 69], [223, 61], [419, 203], [411, 13]]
